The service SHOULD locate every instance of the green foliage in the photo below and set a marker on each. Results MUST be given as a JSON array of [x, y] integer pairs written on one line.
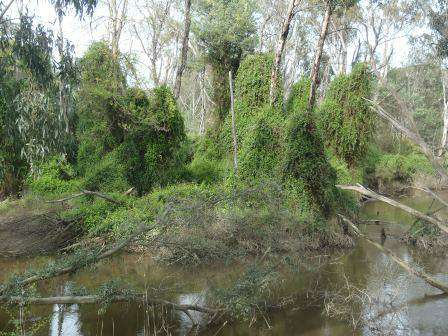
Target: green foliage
[[420, 88], [54, 177], [126, 137], [101, 86], [305, 160], [344, 173], [345, 118], [29, 127], [202, 170], [154, 149], [91, 213], [298, 98], [107, 175], [13, 168], [253, 81], [252, 86], [400, 167], [262, 146]]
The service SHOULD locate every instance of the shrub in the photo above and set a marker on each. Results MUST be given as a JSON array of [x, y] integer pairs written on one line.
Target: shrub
[[108, 175], [202, 170], [253, 81], [305, 160], [262, 147], [298, 97], [154, 150], [56, 176], [126, 137], [402, 168]]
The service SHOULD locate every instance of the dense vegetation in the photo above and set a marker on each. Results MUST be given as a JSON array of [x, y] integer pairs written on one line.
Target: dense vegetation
[[112, 151]]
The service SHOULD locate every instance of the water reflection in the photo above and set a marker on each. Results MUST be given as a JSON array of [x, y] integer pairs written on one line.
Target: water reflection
[[186, 324], [399, 304], [65, 321]]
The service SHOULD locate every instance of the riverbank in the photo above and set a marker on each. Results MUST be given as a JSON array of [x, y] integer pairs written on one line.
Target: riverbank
[[383, 297]]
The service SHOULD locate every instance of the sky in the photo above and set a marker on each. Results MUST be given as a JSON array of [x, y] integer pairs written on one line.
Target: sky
[[83, 32]]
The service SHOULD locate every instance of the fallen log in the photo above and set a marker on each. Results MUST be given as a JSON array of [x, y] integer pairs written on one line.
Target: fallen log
[[403, 264], [367, 192]]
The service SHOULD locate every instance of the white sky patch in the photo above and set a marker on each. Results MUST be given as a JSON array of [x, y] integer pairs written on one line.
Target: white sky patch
[[82, 32]]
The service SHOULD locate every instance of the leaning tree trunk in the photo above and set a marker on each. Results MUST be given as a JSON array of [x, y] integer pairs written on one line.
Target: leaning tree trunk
[[184, 52], [413, 135], [279, 52], [318, 57]]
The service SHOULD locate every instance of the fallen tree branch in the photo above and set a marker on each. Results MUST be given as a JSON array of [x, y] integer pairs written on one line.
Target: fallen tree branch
[[367, 192], [88, 192], [403, 264], [70, 269]]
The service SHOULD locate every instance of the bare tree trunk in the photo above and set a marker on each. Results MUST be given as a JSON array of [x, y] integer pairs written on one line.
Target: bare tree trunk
[[344, 53], [3, 12], [117, 19], [235, 142], [184, 52], [445, 112], [262, 31], [279, 52], [318, 57], [63, 106], [203, 104]]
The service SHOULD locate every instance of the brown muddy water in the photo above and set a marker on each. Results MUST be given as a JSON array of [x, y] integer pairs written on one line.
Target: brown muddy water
[[384, 300]]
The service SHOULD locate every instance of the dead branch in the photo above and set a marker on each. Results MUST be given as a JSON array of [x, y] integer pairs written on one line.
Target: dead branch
[[367, 192], [421, 274], [88, 192], [71, 269], [3, 12]]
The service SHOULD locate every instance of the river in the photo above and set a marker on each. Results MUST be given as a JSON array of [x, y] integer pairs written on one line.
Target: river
[[384, 299]]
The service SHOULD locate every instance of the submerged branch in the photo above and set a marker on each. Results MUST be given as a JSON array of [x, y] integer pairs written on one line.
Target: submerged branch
[[367, 192], [403, 264], [94, 299]]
